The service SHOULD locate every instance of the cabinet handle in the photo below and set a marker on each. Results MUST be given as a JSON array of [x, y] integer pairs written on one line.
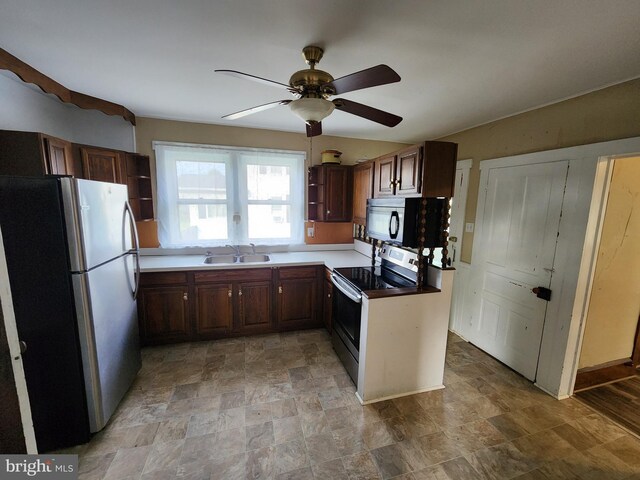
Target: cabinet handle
[[328, 212], [391, 184], [229, 293], [185, 297], [240, 292], [280, 289], [328, 295]]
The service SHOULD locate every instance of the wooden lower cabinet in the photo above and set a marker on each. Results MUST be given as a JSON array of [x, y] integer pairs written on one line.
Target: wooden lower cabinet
[[298, 298], [163, 314], [214, 309], [210, 304], [254, 307]]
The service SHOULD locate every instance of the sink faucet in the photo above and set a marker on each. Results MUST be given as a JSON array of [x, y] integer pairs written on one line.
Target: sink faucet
[[253, 248], [234, 247]]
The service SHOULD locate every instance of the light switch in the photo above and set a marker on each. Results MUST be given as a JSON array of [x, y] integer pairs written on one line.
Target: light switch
[[468, 227], [311, 232]]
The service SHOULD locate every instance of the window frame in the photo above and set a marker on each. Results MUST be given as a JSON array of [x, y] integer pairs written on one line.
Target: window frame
[[237, 192]]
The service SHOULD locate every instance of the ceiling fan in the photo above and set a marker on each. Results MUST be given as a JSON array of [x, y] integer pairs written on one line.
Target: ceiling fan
[[313, 88]]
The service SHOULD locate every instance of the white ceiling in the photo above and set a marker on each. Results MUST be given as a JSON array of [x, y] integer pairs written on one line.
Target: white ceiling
[[462, 63]]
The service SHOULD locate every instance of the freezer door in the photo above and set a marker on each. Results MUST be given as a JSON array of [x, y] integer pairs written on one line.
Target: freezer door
[[98, 222], [108, 330]]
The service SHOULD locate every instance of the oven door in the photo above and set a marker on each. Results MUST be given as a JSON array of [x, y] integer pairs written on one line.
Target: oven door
[[347, 307]]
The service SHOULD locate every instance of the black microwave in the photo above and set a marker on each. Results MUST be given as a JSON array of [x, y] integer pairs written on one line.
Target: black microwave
[[397, 220]]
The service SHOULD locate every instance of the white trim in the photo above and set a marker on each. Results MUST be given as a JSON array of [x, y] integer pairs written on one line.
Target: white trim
[[563, 329], [595, 225], [14, 350], [465, 164], [627, 146], [400, 395]]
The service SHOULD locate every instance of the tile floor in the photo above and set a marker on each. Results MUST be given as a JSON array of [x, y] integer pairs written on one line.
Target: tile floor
[[282, 407]]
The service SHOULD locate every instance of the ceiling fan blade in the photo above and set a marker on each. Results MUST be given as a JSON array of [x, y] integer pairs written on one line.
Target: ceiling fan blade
[[259, 108], [370, 113], [248, 76], [371, 77], [314, 129]]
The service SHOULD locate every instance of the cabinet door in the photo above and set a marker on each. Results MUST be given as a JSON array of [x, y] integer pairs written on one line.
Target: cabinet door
[[254, 307], [298, 298], [214, 310], [362, 190], [338, 189], [101, 165], [163, 314], [384, 176], [409, 171], [59, 157]]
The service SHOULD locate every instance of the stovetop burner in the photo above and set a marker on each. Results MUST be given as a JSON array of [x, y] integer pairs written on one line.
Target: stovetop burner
[[373, 278]]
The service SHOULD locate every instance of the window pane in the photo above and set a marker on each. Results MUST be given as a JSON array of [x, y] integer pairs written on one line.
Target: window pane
[[269, 221], [268, 182], [203, 222], [204, 180]]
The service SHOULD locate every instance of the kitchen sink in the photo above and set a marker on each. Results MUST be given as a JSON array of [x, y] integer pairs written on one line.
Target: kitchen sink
[[209, 259], [244, 258], [256, 257]]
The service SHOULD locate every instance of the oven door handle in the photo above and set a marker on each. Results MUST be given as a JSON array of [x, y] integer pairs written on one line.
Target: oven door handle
[[346, 289]]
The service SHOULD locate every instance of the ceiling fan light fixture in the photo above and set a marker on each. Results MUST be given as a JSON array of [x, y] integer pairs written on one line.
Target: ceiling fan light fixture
[[312, 109]]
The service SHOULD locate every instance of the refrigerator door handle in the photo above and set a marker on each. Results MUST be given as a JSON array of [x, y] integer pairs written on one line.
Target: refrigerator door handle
[[136, 247]]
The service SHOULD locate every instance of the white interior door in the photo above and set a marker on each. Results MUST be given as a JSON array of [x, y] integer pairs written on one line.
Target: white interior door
[[516, 234]]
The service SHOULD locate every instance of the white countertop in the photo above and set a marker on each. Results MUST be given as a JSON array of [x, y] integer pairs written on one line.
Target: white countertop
[[330, 258]]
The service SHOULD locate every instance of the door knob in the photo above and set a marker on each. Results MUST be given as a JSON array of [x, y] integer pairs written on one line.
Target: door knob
[[23, 347], [542, 292]]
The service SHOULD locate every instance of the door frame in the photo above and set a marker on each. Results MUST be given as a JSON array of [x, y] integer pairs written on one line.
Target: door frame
[[11, 329], [576, 251], [461, 277]]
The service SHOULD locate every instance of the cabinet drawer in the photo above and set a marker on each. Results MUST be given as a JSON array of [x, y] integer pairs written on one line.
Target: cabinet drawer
[[163, 278], [242, 274], [287, 273]]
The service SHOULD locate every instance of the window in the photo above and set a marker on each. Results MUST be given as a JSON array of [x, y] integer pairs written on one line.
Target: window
[[211, 195]]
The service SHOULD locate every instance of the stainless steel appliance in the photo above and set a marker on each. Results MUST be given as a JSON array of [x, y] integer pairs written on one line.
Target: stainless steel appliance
[[397, 220], [72, 255], [398, 269]]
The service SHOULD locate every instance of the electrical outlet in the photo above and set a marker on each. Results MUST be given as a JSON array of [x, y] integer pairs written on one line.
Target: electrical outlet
[[468, 228], [311, 231]]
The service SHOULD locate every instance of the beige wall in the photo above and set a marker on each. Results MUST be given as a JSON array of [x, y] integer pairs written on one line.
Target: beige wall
[[149, 129], [615, 298], [608, 114]]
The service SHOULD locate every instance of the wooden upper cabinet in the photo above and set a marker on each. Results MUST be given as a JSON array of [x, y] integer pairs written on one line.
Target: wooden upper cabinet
[[101, 165], [330, 190], [338, 191], [427, 169], [362, 190], [32, 153], [439, 166], [59, 156], [408, 171], [384, 176]]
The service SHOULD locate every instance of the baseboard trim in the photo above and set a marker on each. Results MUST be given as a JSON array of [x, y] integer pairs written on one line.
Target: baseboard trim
[[592, 377]]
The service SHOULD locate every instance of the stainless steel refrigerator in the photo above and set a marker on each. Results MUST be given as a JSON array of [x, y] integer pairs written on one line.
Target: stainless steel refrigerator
[[72, 255]]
